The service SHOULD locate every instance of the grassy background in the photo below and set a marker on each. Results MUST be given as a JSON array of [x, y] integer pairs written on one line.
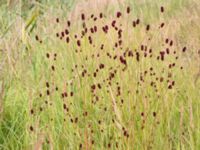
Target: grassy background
[[24, 70]]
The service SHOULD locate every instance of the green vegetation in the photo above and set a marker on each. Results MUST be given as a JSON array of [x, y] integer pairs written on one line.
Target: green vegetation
[[97, 94]]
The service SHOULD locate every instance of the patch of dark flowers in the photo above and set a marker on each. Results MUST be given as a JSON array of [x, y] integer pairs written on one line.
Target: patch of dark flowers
[[104, 61]]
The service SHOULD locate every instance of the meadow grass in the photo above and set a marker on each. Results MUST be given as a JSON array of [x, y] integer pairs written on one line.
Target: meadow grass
[[99, 94]]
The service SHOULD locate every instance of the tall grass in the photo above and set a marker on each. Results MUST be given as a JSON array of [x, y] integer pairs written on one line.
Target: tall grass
[[59, 95]]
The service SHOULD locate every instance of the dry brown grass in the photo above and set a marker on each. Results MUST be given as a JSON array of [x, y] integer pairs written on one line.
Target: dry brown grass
[[96, 6]]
